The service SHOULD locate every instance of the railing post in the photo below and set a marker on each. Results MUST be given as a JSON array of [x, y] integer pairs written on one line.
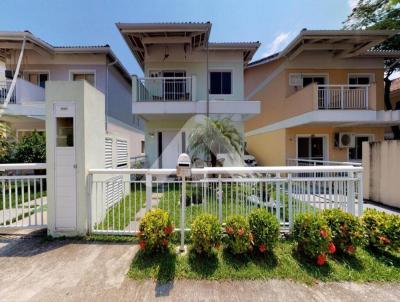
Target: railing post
[[89, 206], [366, 97], [148, 191], [351, 194], [290, 200], [183, 208], [135, 88], [342, 96], [360, 194], [220, 198], [194, 89], [278, 197]]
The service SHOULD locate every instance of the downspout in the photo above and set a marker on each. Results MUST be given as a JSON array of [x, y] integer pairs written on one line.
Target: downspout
[[106, 109], [208, 88], [14, 80]]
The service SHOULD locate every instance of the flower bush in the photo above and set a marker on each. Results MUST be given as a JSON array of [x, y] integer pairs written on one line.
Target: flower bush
[[206, 234], [382, 229], [264, 227], [238, 236], [313, 237], [155, 231], [346, 230]]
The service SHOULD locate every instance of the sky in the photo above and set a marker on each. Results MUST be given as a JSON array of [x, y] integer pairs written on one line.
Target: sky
[[92, 22]]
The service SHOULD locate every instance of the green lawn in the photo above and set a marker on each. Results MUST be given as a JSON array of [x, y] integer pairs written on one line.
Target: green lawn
[[6, 188], [121, 214], [365, 266]]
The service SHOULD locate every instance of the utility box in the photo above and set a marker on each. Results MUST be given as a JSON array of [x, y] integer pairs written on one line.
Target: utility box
[[75, 134]]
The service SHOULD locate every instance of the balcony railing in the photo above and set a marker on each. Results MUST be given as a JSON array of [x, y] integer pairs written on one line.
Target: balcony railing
[[343, 96], [161, 89], [4, 88], [24, 91]]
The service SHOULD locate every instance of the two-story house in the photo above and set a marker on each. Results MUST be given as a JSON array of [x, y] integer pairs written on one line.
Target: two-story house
[[186, 77], [321, 97], [32, 62]]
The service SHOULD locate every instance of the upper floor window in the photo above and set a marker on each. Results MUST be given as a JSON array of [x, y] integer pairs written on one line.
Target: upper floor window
[[359, 79], [37, 78], [90, 77], [320, 80], [220, 82]]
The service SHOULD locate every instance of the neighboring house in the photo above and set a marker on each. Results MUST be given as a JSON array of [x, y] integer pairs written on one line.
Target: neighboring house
[[186, 77], [395, 93], [321, 97], [41, 62]]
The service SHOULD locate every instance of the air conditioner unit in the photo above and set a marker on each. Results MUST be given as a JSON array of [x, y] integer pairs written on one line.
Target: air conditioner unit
[[295, 79], [346, 140]]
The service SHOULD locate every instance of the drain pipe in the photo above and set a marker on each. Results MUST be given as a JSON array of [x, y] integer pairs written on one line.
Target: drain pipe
[[106, 109], [14, 80]]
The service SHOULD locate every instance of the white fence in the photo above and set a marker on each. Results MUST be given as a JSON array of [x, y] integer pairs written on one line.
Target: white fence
[[156, 89], [343, 96], [283, 191], [315, 162], [23, 201], [4, 87]]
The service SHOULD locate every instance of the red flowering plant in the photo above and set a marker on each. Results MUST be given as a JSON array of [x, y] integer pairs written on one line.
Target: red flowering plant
[[346, 229], [382, 229], [238, 237], [155, 231], [264, 228], [205, 234], [313, 237]]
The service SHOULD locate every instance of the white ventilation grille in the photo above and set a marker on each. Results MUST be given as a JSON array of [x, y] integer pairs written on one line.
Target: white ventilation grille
[[122, 153], [108, 163], [114, 192]]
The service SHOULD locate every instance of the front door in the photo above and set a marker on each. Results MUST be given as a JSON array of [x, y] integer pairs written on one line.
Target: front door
[[65, 167], [311, 148], [172, 143]]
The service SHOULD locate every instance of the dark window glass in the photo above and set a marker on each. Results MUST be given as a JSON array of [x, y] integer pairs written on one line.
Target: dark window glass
[[356, 153], [362, 80], [226, 83], [303, 144], [43, 77], [215, 83], [309, 80]]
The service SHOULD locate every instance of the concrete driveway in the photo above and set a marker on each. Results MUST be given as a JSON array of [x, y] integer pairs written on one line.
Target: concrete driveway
[[67, 270]]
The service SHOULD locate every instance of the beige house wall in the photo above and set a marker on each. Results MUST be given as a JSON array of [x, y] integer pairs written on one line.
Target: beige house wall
[[268, 148], [381, 161]]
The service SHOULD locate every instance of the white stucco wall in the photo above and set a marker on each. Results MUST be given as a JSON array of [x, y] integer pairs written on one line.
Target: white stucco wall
[[381, 162]]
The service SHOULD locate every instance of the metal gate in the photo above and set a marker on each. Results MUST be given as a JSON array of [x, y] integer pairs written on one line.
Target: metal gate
[[23, 198]]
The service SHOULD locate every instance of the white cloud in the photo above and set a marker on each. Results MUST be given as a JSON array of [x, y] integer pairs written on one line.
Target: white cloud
[[278, 43], [352, 3]]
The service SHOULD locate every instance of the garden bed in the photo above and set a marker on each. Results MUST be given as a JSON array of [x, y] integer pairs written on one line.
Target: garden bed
[[365, 266]]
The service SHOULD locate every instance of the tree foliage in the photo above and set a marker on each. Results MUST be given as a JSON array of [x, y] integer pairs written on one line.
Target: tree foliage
[[208, 137], [380, 14]]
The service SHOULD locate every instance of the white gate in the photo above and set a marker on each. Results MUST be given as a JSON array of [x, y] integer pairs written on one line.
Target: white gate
[[23, 198]]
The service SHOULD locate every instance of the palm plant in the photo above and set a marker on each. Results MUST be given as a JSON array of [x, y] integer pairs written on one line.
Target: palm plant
[[208, 137]]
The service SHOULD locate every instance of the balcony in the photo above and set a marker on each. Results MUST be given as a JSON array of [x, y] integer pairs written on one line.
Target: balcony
[[27, 98], [166, 89], [351, 97], [174, 97]]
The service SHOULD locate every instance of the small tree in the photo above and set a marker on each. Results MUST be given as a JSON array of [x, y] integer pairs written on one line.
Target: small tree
[[31, 149], [208, 137], [7, 144]]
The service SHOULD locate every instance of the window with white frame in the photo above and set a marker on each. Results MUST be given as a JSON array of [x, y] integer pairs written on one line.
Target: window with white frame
[[359, 79], [220, 82], [90, 77], [355, 154]]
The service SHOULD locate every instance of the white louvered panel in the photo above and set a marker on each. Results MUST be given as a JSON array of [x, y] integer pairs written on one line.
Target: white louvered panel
[[122, 153], [108, 164], [113, 193]]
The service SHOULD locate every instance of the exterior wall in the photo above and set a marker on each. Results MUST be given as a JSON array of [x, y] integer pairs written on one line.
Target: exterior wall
[[194, 64], [279, 101], [381, 161], [269, 149]]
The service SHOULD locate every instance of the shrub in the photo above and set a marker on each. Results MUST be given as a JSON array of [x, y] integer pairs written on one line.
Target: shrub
[[206, 234], [346, 229], [238, 236], [313, 237], [155, 231], [382, 229], [264, 227]]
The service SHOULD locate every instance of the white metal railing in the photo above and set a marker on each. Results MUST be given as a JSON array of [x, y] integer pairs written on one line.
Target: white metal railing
[[283, 191], [23, 201], [4, 88], [343, 96], [317, 162], [153, 89]]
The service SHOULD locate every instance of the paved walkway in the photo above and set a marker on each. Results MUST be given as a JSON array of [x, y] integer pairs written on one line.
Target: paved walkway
[[65, 270]]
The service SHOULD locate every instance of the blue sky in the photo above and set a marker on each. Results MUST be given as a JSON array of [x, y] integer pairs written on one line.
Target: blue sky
[[92, 22]]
